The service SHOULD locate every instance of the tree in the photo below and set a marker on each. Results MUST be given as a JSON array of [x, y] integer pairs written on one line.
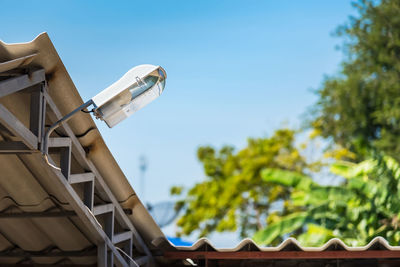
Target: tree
[[365, 206], [233, 196], [359, 108]]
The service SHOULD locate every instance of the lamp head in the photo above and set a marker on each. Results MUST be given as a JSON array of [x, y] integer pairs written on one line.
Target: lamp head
[[138, 87]]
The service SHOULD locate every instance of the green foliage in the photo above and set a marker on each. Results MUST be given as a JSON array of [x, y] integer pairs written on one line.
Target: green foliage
[[233, 196], [285, 225], [360, 107], [365, 206], [176, 190], [315, 235], [287, 178], [358, 110]]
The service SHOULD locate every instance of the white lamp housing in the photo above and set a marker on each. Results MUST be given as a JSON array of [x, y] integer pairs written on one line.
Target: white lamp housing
[[138, 87]]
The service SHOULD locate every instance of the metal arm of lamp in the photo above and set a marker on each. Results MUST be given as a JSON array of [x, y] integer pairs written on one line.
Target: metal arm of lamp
[[45, 147]]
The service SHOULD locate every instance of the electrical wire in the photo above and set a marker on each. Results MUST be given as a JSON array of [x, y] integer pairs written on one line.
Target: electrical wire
[[46, 158], [114, 246], [88, 111], [132, 260], [77, 135], [94, 217]]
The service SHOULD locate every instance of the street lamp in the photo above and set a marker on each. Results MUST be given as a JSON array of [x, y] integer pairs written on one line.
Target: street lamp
[[137, 88]]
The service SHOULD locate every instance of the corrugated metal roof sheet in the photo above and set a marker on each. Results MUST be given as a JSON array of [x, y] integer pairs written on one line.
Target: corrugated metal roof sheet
[[289, 253], [22, 190], [288, 244]]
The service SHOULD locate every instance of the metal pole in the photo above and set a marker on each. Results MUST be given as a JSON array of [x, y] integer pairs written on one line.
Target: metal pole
[[45, 148], [143, 168]]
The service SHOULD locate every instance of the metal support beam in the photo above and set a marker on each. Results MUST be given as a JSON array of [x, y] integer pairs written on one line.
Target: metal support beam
[[88, 194], [107, 211], [121, 237], [60, 142], [101, 209], [102, 255], [16, 127], [81, 178], [110, 258], [109, 224], [64, 143], [19, 83], [37, 112], [83, 213], [87, 179], [65, 161]]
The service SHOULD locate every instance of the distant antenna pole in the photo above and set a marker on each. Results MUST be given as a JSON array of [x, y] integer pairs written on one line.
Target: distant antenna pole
[[143, 168]]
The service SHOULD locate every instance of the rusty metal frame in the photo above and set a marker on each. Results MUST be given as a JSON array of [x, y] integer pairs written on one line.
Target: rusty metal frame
[[282, 255]]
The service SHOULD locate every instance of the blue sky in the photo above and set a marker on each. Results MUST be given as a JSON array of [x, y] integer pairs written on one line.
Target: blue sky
[[235, 69]]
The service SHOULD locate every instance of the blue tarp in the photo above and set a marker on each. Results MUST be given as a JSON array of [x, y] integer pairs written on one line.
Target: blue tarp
[[179, 242]]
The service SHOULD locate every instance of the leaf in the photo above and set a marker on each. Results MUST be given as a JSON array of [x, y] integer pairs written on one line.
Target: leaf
[[392, 165], [287, 178], [319, 195], [350, 170], [367, 188], [176, 190], [315, 235], [343, 168], [286, 225]]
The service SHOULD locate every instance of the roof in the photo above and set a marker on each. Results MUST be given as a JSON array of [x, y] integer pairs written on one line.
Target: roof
[[288, 253], [66, 97], [26, 185]]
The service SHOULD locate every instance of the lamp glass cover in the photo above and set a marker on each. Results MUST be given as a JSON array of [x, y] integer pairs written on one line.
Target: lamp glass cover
[[142, 92]]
